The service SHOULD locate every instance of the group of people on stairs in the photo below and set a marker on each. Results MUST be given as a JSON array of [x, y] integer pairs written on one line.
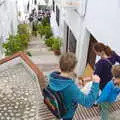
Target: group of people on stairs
[[105, 82]]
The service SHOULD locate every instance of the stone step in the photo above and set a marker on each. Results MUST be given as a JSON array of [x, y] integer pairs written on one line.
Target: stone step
[[39, 52], [44, 59], [38, 49], [46, 62], [47, 68], [45, 114], [36, 41], [38, 45]]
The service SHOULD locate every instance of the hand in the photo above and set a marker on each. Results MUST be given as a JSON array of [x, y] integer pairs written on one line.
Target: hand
[[87, 78], [95, 78], [83, 81]]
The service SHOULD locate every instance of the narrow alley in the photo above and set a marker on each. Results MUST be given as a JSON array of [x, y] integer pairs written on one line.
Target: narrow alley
[[42, 56], [47, 62], [34, 35]]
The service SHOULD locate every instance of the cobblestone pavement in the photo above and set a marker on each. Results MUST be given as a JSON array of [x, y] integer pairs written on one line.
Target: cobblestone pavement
[[19, 94]]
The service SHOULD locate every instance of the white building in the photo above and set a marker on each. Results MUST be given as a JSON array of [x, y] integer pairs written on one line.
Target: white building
[[25, 7], [12, 13], [84, 22], [8, 20]]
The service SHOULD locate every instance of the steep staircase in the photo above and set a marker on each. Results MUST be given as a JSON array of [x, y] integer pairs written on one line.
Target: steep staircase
[[42, 56], [47, 62]]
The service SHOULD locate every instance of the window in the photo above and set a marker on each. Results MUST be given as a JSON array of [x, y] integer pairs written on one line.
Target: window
[[57, 15], [71, 41], [28, 6], [35, 2], [53, 5]]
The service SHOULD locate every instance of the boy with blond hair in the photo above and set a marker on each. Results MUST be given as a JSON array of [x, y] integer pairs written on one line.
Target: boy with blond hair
[[63, 81]]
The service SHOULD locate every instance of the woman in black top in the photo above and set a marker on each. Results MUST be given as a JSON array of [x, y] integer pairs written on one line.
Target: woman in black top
[[104, 65]]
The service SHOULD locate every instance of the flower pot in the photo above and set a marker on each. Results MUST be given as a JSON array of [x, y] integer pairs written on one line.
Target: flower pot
[[57, 52]]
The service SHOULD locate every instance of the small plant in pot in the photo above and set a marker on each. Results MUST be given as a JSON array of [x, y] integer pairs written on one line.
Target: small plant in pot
[[50, 41], [56, 46]]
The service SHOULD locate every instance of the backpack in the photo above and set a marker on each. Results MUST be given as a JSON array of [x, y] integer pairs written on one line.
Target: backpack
[[54, 102]]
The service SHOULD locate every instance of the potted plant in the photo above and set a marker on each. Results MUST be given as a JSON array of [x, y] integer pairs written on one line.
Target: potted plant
[[56, 46], [49, 41], [18, 42]]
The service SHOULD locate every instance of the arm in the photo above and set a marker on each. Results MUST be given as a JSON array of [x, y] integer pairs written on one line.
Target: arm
[[117, 58], [86, 100], [83, 81], [105, 93]]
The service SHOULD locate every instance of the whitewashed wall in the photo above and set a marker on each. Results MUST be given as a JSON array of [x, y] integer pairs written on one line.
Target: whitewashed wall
[[76, 23], [8, 20], [74, 18], [22, 8], [103, 21]]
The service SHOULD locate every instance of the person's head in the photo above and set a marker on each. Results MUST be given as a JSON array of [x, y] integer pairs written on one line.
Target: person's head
[[67, 62], [116, 73], [101, 50]]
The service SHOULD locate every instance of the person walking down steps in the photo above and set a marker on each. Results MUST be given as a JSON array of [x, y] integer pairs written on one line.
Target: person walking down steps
[[63, 82]]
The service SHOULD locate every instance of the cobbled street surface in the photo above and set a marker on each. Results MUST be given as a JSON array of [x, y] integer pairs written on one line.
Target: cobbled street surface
[[19, 94]]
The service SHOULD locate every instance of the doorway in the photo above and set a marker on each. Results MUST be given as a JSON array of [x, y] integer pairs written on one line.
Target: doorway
[[70, 41], [57, 15], [53, 5], [91, 58]]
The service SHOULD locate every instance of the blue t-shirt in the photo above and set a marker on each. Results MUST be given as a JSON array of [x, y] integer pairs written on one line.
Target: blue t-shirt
[[109, 93]]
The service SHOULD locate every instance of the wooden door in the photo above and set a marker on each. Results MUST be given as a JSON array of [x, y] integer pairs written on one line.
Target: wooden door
[[91, 54]]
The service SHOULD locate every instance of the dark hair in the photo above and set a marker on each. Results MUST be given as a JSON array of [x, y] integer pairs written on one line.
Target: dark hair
[[116, 71], [99, 47], [67, 62]]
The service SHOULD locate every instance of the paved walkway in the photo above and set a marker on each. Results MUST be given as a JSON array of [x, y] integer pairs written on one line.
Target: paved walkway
[[19, 94], [42, 56], [47, 62]]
